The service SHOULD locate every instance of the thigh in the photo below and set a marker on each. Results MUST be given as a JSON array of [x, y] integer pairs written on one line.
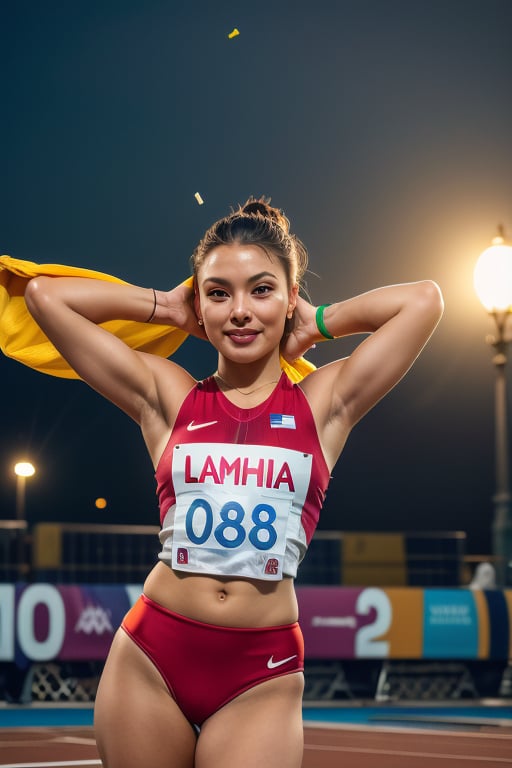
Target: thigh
[[136, 720], [261, 727]]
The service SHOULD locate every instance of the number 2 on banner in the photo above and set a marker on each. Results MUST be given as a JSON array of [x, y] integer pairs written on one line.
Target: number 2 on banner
[[366, 644]]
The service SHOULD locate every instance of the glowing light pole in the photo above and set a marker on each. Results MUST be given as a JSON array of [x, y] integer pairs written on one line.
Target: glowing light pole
[[22, 470], [493, 285]]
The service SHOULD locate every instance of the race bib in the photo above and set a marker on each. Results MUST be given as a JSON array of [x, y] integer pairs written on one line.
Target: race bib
[[236, 507]]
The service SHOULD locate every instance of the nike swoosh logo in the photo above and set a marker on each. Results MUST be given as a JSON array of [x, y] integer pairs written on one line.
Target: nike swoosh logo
[[192, 427], [271, 664]]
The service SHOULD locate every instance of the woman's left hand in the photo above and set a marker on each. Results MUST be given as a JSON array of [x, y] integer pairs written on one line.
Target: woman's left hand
[[303, 333]]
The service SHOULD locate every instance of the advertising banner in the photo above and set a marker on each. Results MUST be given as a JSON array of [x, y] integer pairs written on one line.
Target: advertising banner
[[43, 622]]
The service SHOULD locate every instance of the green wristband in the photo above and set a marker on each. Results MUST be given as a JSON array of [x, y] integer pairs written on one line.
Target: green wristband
[[320, 322]]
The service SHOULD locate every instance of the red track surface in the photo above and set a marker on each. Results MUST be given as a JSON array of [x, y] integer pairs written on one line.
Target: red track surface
[[325, 747]]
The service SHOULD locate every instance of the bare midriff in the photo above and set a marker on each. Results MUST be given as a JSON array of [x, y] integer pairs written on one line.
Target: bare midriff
[[227, 602]]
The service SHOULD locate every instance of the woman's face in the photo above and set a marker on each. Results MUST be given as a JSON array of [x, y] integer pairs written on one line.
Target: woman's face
[[244, 301]]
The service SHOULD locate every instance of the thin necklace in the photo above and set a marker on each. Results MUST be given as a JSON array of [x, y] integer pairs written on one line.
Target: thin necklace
[[256, 389]]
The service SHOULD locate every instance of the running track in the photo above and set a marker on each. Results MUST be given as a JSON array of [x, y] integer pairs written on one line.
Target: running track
[[326, 746]]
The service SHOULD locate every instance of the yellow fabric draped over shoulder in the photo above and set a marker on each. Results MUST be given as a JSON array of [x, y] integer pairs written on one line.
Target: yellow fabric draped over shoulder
[[22, 339]]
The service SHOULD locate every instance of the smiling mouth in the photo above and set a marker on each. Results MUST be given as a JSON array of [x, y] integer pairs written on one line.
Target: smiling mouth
[[242, 336]]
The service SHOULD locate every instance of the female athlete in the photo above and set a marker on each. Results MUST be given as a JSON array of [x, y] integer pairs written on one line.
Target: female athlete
[[207, 668]]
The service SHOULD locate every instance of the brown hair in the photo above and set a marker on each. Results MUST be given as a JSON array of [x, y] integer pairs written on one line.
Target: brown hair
[[256, 223]]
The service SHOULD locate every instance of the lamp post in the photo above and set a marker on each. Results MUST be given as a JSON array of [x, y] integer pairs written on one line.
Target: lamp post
[[22, 470], [493, 285]]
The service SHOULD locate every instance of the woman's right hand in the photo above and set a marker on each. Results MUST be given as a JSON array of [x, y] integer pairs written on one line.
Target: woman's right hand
[[176, 307]]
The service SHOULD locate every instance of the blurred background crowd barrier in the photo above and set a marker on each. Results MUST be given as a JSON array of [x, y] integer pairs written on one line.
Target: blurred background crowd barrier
[[385, 616], [80, 553]]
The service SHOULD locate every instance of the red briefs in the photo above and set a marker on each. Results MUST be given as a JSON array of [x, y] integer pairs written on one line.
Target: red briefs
[[206, 666]]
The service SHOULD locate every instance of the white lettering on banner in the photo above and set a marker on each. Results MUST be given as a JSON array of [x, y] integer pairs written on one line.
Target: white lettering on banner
[[94, 618], [7, 593], [48, 595], [334, 621], [450, 615], [367, 644]]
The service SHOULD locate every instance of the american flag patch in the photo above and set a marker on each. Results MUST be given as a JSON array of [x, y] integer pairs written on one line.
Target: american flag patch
[[282, 421]]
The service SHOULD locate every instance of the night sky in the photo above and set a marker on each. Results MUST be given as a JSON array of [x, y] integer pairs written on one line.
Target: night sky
[[382, 128]]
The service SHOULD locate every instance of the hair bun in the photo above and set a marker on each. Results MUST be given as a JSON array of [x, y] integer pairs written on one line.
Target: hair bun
[[262, 207], [256, 206], [257, 223]]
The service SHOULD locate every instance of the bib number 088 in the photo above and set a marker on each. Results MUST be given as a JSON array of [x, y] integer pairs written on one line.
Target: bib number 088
[[230, 531]]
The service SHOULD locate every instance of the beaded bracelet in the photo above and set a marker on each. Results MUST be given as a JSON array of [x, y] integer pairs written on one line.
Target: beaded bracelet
[[320, 322], [154, 307]]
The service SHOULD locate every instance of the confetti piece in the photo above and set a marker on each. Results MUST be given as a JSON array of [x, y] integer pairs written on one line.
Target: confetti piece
[[199, 198], [233, 34]]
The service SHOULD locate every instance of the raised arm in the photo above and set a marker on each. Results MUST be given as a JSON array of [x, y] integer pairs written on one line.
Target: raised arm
[[69, 311], [399, 320]]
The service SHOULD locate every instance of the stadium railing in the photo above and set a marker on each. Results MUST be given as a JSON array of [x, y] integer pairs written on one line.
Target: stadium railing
[[115, 554]]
